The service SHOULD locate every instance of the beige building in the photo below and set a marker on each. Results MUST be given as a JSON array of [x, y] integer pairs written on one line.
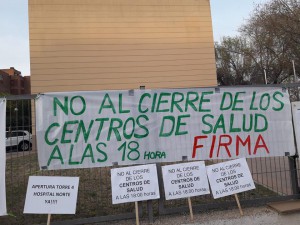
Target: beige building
[[120, 44]]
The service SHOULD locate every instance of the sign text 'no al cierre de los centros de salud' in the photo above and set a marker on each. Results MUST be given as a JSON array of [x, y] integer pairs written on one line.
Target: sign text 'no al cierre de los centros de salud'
[[95, 129]]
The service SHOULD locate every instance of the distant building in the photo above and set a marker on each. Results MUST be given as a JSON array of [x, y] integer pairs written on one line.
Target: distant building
[[12, 82], [4, 82]]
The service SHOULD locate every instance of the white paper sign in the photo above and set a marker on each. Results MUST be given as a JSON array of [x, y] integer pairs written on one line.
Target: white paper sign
[[229, 178], [185, 180], [136, 183], [96, 129], [51, 195], [2, 157]]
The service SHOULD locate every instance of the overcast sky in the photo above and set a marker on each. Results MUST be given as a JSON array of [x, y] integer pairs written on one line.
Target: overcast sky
[[227, 16]]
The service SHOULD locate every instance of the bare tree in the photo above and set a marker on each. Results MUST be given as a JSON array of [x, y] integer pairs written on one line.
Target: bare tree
[[273, 31], [234, 67], [269, 41]]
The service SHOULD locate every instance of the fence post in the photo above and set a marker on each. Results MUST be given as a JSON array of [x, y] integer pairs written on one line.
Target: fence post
[[294, 175], [161, 207], [150, 211]]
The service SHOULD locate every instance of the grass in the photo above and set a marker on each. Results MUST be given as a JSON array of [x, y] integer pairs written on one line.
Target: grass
[[94, 196]]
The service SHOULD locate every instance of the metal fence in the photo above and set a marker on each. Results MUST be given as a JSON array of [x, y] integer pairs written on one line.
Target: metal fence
[[276, 178]]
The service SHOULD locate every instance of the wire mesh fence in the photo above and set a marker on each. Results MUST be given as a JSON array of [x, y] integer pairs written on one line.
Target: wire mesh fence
[[275, 178]]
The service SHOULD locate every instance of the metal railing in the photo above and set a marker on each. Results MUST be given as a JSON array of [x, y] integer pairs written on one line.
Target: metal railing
[[276, 178]]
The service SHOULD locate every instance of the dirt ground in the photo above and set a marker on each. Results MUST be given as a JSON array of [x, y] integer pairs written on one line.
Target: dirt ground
[[256, 215]]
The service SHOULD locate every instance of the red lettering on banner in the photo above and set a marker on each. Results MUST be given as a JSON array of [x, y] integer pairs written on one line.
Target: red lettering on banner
[[196, 144], [211, 152], [263, 145], [228, 143], [224, 144], [239, 140]]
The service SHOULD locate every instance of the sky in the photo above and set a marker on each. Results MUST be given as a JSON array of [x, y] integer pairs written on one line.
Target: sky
[[227, 17]]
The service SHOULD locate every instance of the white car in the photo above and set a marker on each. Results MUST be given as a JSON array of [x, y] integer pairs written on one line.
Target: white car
[[21, 139]]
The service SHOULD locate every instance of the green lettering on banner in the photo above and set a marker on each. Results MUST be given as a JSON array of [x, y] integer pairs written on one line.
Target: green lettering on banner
[[101, 152], [53, 156], [133, 147], [250, 123], [204, 100], [121, 110], [168, 133], [190, 101], [237, 100], [180, 124], [222, 107], [161, 101], [62, 106], [47, 134], [264, 122], [142, 127], [101, 120], [220, 124], [153, 102], [235, 110], [133, 153], [278, 101], [114, 128], [267, 100], [108, 105], [233, 129], [175, 102], [252, 101], [141, 101], [125, 128], [81, 130], [207, 124], [71, 156], [88, 153], [123, 146], [83, 105], [65, 107], [66, 131]]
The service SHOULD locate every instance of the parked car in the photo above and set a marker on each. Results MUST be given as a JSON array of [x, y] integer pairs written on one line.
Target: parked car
[[21, 139]]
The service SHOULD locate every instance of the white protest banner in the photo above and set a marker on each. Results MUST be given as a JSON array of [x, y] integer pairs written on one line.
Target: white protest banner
[[229, 178], [135, 183], [51, 195], [2, 157], [185, 180], [96, 129], [296, 121]]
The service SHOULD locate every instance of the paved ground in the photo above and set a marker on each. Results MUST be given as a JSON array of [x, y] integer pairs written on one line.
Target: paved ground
[[253, 216], [263, 217]]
